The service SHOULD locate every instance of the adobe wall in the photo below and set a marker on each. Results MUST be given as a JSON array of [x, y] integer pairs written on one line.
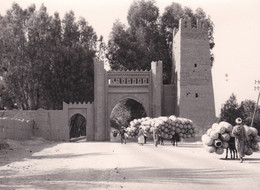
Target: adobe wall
[[59, 130], [11, 128], [169, 106], [13, 125], [100, 99], [49, 124], [157, 89]]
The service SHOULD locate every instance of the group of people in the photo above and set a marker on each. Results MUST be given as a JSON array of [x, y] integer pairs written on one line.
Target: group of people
[[143, 135], [241, 137]]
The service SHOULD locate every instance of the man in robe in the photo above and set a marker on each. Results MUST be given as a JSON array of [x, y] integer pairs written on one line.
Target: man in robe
[[241, 138]]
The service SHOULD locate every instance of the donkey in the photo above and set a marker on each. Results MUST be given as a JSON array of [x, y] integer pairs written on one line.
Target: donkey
[[232, 148]]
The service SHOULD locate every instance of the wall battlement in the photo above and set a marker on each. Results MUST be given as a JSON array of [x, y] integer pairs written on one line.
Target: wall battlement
[[77, 103], [200, 25], [122, 71]]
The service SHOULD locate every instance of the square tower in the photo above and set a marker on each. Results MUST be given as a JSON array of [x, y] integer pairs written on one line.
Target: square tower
[[191, 53]]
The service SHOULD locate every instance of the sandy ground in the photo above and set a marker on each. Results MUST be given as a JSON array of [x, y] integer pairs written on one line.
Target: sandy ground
[[40, 164]]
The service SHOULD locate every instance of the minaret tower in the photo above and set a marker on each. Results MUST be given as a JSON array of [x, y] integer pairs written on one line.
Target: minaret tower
[[194, 79]]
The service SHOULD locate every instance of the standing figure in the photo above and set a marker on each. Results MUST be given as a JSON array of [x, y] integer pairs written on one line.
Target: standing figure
[[175, 139], [155, 137], [145, 136], [141, 136], [122, 134], [241, 138], [160, 138]]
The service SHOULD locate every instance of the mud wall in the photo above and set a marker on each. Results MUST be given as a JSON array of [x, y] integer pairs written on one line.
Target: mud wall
[[22, 125]]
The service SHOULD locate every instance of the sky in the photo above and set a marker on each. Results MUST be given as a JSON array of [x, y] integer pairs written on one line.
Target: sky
[[236, 67]]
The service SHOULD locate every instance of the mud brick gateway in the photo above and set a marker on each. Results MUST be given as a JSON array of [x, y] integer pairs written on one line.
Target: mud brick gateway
[[191, 96]]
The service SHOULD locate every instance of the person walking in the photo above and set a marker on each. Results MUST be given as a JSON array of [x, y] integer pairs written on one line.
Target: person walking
[[241, 138], [122, 134], [145, 136], [141, 136], [155, 136]]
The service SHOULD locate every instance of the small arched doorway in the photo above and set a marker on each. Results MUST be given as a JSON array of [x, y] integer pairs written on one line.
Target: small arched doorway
[[123, 112], [77, 126]]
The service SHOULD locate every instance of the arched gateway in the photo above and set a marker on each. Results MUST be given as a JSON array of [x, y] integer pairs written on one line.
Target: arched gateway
[[191, 96], [111, 87]]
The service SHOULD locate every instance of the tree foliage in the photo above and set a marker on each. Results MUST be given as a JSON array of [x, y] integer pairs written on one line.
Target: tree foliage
[[126, 111], [248, 107], [135, 47], [149, 36], [232, 110], [46, 60]]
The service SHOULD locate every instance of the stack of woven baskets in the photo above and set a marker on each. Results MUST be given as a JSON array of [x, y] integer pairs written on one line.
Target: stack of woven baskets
[[217, 138], [167, 127]]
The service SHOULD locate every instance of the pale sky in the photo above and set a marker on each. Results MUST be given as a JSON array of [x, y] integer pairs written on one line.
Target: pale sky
[[237, 35]]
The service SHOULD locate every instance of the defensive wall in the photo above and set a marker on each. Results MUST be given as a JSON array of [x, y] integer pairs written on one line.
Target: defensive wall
[[191, 96], [111, 87], [49, 124]]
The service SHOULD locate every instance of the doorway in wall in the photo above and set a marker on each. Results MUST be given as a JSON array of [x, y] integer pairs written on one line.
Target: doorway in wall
[[77, 127]]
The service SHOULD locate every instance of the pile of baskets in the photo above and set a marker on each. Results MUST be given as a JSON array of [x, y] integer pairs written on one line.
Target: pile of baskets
[[217, 138], [167, 127]]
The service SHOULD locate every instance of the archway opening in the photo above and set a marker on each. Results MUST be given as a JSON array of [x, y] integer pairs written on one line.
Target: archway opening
[[121, 115], [77, 126]]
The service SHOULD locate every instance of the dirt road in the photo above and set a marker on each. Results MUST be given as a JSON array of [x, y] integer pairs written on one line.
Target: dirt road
[[39, 164]]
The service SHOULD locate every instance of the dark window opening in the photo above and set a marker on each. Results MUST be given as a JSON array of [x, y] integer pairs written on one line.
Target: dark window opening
[[195, 65], [196, 95], [185, 24]]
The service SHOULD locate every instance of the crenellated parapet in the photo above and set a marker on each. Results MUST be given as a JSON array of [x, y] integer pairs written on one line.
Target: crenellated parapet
[[76, 105], [79, 103], [131, 70], [198, 25], [129, 77], [197, 30]]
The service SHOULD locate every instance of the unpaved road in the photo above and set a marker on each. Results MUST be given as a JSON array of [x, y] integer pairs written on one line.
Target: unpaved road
[[39, 164]]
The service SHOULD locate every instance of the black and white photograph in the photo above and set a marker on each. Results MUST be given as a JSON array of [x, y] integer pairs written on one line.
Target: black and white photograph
[[129, 95]]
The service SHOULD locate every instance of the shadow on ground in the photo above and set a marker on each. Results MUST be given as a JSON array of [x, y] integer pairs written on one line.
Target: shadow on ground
[[248, 160], [19, 150], [93, 177]]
